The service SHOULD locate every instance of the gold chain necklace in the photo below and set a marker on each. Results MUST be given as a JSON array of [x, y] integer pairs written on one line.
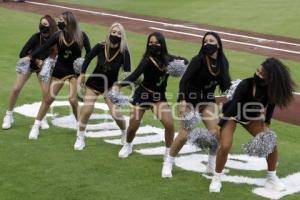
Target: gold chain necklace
[[210, 69], [112, 58]]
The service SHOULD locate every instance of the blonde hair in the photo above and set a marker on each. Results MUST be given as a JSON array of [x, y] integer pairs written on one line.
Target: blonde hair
[[73, 31], [123, 43]]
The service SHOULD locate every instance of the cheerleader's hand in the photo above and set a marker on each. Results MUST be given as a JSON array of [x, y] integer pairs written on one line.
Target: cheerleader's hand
[[182, 107], [115, 88], [266, 127], [81, 79], [39, 63], [27, 58]]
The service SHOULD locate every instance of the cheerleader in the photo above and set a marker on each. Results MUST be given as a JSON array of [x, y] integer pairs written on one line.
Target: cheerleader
[[206, 70], [271, 85], [151, 92], [47, 27], [111, 56], [69, 41]]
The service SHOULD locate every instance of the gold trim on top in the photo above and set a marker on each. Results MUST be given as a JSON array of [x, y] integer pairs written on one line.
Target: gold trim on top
[[254, 89], [41, 39], [64, 78], [66, 43], [95, 91], [113, 57], [156, 65], [151, 91]]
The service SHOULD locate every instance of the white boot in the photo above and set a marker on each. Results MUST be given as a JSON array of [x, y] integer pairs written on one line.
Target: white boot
[[211, 164], [273, 182], [126, 150], [123, 136], [34, 132], [216, 184], [44, 123], [7, 120], [167, 152], [166, 171], [79, 144]]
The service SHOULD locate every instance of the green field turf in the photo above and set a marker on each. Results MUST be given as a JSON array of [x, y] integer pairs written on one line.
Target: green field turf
[[265, 16], [50, 169]]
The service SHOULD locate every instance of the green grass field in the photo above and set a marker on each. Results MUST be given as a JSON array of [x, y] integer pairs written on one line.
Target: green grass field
[[50, 169], [265, 16]]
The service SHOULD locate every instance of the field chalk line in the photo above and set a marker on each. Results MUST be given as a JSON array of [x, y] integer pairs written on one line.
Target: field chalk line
[[162, 23]]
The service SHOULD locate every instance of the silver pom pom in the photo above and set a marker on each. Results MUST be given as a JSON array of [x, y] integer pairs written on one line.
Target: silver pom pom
[[203, 139], [229, 93], [77, 65], [261, 145], [176, 68], [190, 120], [47, 68], [23, 66], [118, 98]]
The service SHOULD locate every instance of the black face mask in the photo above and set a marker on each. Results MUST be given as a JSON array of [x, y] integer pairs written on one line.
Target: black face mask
[[61, 25], [114, 39], [259, 81], [44, 29], [210, 49], [154, 50]]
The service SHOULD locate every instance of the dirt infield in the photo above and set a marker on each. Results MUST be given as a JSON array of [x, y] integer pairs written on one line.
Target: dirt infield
[[261, 44]]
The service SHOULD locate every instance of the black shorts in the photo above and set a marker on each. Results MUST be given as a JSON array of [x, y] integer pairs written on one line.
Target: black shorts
[[251, 117], [243, 117], [144, 98], [98, 83], [197, 101], [63, 71]]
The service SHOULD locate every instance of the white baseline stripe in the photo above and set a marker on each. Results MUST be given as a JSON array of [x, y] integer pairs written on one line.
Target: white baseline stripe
[[295, 93], [236, 35], [158, 22], [230, 41]]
